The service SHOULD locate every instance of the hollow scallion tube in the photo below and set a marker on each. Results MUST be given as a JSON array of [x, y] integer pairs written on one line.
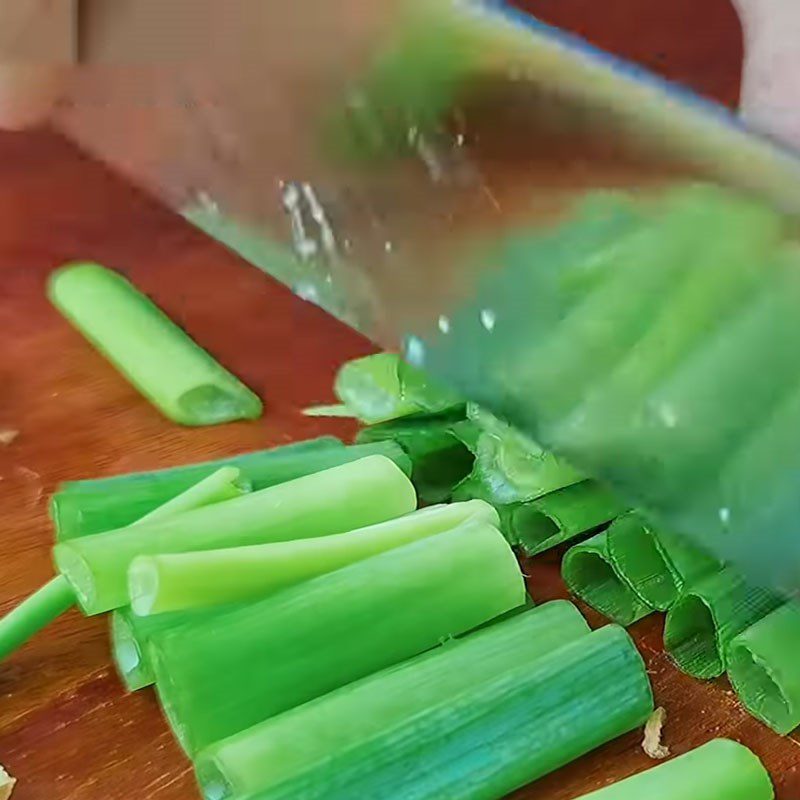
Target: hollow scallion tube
[[182, 581], [439, 459], [356, 620], [657, 565], [363, 492], [561, 515], [383, 387], [708, 616], [763, 668], [283, 747], [82, 508], [34, 613], [497, 735], [719, 770], [173, 372], [590, 574]]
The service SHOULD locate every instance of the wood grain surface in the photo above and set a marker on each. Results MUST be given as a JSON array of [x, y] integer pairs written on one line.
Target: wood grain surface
[[67, 730]]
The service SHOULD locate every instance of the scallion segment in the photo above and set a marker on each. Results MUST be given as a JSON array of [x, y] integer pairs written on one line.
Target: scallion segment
[[34, 613], [562, 515], [363, 492], [174, 373], [657, 565], [589, 573], [383, 387], [283, 747], [496, 735], [312, 638], [81, 508], [763, 668], [182, 581], [439, 459], [708, 616], [719, 770]]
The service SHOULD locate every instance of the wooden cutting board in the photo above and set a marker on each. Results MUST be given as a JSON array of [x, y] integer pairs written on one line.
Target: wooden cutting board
[[67, 730]]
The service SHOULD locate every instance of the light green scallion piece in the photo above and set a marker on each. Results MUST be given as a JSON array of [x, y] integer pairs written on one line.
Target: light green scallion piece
[[174, 373]]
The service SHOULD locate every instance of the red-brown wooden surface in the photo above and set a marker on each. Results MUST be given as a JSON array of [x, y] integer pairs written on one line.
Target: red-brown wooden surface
[[67, 730]]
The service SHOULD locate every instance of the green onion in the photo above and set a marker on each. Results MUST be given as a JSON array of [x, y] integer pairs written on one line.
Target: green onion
[[707, 617], [589, 573], [657, 565], [183, 381], [224, 484], [562, 515], [439, 459], [34, 613], [284, 747], [512, 466], [363, 492], [719, 770], [494, 736], [383, 387], [162, 583], [763, 668], [220, 676], [85, 507]]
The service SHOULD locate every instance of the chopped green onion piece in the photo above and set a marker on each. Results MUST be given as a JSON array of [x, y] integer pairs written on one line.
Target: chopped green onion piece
[[440, 461], [382, 387], [562, 515], [363, 492], [719, 770], [708, 616], [496, 735], [312, 638], [182, 581], [34, 613], [284, 747], [224, 484], [174, 373], [657, 565], [589, 573], [80, 508], [130, 641], [763, 668], [513, 467]]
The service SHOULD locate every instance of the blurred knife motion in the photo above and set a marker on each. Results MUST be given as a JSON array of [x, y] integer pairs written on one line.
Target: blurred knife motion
[[606, 261]]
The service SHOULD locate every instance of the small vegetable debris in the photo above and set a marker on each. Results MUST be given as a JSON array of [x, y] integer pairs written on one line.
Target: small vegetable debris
[[7, 784], [653, 729]]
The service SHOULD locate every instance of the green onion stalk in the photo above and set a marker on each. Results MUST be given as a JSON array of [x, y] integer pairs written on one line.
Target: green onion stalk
[[590, 574], [185, 581], [708, 616], [174, 373], [222, 675], [382, 704], [497, 734], [363, 492]]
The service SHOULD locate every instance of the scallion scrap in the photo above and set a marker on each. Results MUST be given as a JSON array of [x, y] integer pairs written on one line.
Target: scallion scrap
[[174, 373]]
